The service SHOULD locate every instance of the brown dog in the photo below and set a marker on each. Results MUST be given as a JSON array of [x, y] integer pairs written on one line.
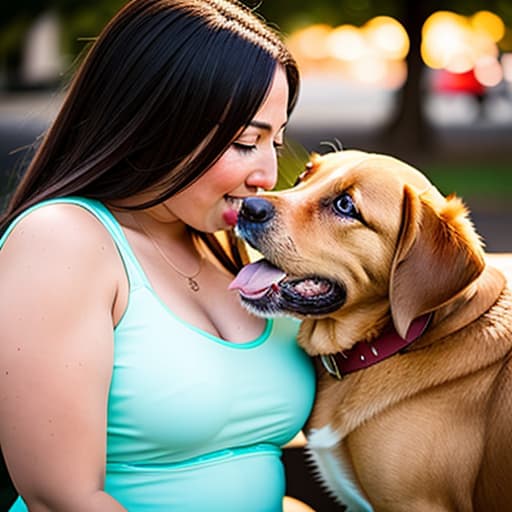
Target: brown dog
[[413, 332]]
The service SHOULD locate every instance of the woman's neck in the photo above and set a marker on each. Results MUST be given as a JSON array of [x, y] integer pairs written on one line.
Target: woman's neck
[[157, 222]]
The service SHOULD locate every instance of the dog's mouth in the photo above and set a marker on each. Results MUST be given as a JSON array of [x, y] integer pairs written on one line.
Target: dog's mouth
[[268, 291]]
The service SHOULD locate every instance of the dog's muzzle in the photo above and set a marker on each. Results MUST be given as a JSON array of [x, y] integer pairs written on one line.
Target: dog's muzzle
[[268, 290], [256, 209], [255, 220]]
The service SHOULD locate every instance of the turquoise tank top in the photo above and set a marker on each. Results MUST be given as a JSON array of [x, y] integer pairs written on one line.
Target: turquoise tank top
[[195, 423]]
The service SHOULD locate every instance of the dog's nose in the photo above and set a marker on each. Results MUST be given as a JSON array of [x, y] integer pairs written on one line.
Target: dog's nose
[[256, 209]]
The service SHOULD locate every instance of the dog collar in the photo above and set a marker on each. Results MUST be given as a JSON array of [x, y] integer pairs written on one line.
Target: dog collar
[[364, 354]]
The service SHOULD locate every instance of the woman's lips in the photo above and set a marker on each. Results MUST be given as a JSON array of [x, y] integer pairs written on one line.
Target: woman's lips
[[230, 216]]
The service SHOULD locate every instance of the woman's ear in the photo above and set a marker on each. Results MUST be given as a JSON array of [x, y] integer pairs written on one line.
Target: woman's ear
[[438, 255]]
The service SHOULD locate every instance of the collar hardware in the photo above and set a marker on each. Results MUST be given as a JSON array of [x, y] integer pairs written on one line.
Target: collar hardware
[[363, 355]]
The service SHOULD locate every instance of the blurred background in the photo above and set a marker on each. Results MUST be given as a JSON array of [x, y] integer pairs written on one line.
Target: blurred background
[[429, 82]]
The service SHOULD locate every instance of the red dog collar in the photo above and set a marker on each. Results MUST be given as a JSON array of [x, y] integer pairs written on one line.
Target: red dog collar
[[364, 354]]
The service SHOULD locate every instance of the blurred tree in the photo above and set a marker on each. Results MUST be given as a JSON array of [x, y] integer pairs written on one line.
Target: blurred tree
[[81, 20]]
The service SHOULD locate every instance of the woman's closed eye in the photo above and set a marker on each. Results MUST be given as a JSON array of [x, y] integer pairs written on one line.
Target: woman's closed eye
[[248, 148], [244, 148]]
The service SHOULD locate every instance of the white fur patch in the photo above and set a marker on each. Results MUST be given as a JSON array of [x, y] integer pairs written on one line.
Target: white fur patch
[[335, 473]]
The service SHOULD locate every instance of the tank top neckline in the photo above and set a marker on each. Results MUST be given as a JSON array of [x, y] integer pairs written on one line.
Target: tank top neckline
[[146, 283]]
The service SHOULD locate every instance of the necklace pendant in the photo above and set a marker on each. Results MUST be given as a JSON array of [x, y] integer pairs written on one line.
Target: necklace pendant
[[193, 284]]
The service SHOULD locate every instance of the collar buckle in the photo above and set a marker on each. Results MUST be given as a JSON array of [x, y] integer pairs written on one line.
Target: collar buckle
[[331, 366]]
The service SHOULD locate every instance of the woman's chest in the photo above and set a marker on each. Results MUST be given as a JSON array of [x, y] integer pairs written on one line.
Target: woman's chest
[[178, 391], [204, 302]]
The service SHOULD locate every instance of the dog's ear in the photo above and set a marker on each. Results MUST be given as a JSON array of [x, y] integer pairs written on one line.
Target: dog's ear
[[438, 255]]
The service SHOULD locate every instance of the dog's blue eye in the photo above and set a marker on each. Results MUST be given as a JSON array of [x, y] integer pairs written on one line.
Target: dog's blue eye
[[344, 205]]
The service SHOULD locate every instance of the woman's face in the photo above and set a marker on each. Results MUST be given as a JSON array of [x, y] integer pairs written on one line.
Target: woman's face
[[211, 202]]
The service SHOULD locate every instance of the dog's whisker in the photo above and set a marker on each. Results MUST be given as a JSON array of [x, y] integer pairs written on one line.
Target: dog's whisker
[[335, 146]]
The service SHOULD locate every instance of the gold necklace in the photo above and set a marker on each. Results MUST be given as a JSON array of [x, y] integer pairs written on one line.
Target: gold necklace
[[191, 280]]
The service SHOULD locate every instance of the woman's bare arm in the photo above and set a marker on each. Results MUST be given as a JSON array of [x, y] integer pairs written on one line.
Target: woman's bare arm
[[57, 288]]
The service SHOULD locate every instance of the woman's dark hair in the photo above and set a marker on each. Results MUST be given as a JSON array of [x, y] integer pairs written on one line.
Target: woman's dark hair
[[160, 96]]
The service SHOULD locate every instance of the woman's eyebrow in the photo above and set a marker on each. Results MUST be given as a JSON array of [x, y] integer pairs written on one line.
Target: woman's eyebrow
[[264, 126]]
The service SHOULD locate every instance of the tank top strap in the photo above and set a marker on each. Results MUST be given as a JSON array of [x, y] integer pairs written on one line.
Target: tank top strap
[[134, 271]]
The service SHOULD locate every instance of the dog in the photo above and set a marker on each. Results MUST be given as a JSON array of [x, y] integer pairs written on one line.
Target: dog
[[409, 323]]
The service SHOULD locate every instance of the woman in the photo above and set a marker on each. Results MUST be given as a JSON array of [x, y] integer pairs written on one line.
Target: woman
[[131, 378]]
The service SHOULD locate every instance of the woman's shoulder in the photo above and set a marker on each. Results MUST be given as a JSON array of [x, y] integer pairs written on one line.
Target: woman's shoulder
[[57, 235], [61, 223]]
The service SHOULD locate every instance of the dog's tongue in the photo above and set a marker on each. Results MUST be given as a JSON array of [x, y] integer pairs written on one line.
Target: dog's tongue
[[256, 278]]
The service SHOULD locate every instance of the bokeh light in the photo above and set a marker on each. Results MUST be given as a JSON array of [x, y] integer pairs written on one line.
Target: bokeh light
[[389, 36], [446, 42], [488, 71], [346, 42], [310, 42], [460, 44], [489, 24], [506, 62], [375, 53]]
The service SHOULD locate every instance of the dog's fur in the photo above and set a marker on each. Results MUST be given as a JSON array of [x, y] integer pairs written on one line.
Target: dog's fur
[[429, 429]]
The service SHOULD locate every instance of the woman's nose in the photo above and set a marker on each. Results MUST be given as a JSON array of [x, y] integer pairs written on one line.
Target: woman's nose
[[265, 176]]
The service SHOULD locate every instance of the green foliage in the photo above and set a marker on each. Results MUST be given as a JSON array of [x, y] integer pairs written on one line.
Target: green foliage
[[292, 161], [83, 24], [79, 19], [492, 181], [11, 36]]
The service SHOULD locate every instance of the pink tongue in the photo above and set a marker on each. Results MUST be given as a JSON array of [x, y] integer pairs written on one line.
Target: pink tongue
[[256, 278]]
